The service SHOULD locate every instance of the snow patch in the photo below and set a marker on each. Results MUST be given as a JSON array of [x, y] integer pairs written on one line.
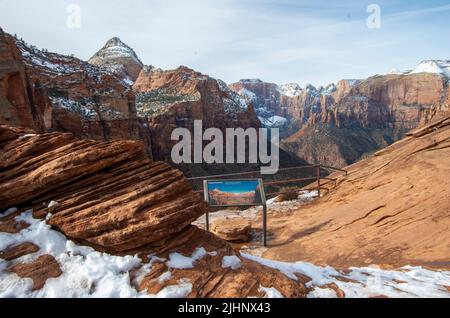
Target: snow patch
[[274, 121], [270, 292], [290, 90], [232, 262], [52, 204], [86, 272], [434, 66], [8, 212], [179, 261], [367, 281]]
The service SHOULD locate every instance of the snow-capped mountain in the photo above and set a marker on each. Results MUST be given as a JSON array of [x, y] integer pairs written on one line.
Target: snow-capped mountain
[[290, 89], [441, 67], [119, 58]]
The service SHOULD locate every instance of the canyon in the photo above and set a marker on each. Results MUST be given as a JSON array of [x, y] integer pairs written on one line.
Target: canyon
[[115, 96], [87, 185]]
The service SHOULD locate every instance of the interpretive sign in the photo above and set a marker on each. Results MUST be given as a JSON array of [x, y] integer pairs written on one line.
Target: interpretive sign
[[229, 193], [236, 193]]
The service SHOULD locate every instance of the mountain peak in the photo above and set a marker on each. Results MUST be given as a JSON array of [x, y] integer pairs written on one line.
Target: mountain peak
[[115, 48], [119, 58]]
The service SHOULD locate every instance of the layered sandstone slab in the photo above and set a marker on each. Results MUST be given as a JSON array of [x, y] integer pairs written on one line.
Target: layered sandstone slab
[[393, 208], [108, 194], [232, 229]]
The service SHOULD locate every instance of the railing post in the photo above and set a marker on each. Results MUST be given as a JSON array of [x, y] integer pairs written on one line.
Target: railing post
[[318, 181]]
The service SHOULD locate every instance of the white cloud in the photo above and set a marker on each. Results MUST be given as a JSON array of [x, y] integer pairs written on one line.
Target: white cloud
[[278, 41]]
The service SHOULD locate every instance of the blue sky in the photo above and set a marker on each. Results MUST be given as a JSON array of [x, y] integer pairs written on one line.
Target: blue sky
[[280, 41]]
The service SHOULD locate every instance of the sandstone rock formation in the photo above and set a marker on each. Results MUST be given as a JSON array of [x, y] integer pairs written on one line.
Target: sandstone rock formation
[[39, 271], [338, 125], [232, 229], [118, 58], [392, 208], [47, 92], [175, 98], [110, 196]]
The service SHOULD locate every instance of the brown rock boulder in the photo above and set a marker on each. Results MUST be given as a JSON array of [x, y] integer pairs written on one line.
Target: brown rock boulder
[[17, 251], [126, 201], [232, 229], [39, 271]]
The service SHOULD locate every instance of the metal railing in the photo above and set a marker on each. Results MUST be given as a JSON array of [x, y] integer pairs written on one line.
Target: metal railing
[[272, 182]]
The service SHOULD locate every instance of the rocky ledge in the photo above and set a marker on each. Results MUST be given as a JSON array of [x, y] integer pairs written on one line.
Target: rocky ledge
[[108, 197]]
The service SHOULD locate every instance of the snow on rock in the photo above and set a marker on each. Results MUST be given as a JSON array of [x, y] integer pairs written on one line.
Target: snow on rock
[[274, 121], [181, 290], [115, 48], [86, 272], [232, 262], [179, 261], [440, 67], [367, 281], [235, 101], [394, 71], [248, 94], [251, 80], [52, 204], [8, 212], [291, 89], [270, 292], [322, 293]]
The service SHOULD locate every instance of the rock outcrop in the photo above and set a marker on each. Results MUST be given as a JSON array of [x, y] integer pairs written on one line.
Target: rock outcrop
[[176, 98], [118, 58], [232, 229], [339, 124], [110, 196], [392, 208], [51, 92]]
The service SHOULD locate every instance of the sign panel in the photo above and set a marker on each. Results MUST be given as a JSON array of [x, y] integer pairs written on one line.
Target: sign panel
[[229, 193]]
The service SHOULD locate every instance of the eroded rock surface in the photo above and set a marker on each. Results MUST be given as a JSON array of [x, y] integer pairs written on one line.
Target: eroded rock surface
[[392, 208], [110, 196]]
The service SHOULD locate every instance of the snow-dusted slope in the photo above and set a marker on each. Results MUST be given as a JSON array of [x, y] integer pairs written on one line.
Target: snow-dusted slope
[[440, 67], [291, 89], [118, 58], [114, 49]]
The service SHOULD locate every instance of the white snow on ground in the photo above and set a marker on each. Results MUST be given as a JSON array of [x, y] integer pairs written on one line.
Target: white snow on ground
[[271, 292], [179, 261], [8, 212], [369, 281], [88, 273], [232, 262]]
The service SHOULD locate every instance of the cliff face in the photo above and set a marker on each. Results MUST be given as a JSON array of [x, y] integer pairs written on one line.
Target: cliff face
[[338, 125], [118, 58], [47, 92], [392, 208], [176, 98], [15, 105]]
